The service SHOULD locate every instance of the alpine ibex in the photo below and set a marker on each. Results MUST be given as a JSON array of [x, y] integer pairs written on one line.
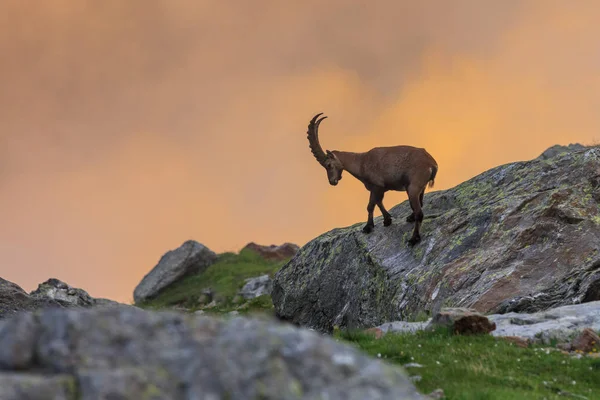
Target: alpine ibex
[[380, 169]]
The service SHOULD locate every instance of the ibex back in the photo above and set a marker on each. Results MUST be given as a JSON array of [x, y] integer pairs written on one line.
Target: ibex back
[[399, 168]]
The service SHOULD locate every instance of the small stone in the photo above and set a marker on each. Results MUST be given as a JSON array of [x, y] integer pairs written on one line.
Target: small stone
[[587, 341]]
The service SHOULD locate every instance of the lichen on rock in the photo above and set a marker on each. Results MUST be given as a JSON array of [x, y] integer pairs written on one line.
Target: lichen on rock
[[519, 237]]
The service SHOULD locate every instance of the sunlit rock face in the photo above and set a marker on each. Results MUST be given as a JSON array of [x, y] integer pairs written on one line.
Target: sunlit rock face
[[524, 236]]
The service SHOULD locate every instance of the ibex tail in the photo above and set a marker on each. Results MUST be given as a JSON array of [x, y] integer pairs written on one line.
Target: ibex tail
[[432, 177]]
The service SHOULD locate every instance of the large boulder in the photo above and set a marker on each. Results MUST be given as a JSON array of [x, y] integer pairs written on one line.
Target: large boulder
[[524, 236], [188, 259], [274, 252], [129, 353]]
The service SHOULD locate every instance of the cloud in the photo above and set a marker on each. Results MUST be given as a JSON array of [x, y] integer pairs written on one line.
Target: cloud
[[129, 127]]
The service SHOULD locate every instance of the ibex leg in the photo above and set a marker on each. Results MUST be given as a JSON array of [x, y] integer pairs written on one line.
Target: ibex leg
[[387, 218], [375, 197], [413, 197]]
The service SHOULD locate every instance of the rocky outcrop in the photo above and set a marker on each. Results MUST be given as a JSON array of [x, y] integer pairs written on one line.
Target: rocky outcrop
[[14, 299], [188, 259], [52, 293], [524, 237], [560, 324], [258, 286], [128, 353], [58, 290], [273, 252]]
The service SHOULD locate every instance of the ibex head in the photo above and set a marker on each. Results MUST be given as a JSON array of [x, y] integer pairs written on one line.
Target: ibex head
[[327, 159]]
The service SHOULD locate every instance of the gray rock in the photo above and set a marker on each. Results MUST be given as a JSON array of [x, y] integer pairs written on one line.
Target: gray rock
[[520, 237], [58, 290], [25, 386], [133, 353], [561, 323], [188, 259], [258, 286], [53, 293], [14, 299]]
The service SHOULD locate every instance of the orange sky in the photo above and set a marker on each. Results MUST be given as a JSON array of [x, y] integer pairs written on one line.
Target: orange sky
[[130, 127]]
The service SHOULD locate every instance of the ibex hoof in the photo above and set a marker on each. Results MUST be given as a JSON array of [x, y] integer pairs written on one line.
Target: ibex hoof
[[414, 240], [368, 229], [410, 218], [387, 221]]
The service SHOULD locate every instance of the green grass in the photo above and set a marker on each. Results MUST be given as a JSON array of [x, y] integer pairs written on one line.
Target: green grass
[[465, 367], [225, 277], [484, 367]]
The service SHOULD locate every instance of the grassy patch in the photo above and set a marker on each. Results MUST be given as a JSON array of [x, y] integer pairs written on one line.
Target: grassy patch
[[484, 367], [225, 277]]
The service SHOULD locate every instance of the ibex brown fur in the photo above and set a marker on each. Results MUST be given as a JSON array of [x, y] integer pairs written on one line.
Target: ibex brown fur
[[400, 168]]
